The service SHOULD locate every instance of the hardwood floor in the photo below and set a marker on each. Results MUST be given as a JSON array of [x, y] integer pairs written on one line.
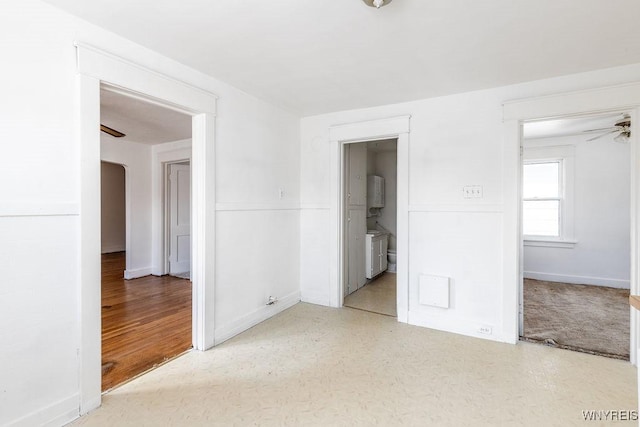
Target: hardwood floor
[[145, 321]]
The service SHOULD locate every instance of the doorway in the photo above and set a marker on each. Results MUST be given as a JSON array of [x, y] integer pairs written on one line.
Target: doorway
[[96, 68], [576, 228], [146, 318], [370, 218]]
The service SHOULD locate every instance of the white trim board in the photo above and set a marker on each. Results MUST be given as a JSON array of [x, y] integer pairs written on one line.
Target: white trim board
[[56, 414], [457, 326], [233, 207], [243, 323], [137, 273], [577, 280], [127, 77], [598, 100], [317, 298], [370, 130], [96, 69], [14, 209], [471, 207]]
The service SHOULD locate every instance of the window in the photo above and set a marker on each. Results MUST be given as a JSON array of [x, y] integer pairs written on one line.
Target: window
[[547, 196], [542, 198]]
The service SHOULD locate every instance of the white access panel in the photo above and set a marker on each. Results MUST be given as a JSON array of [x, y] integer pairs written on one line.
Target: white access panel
[[434, 291]]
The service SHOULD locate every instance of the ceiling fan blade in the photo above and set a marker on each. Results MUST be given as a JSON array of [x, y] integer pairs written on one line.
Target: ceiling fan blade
[[624, 121], [600, 129], [112, 132], [603, 135]]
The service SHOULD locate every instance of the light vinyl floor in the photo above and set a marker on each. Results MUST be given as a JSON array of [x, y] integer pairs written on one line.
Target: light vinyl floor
[[378, 296], [318, 366]]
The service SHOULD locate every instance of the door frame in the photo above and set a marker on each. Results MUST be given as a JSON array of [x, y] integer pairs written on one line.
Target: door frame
[[373, 130], [166, 231], [95, 69], [580, 103], [176, 152]]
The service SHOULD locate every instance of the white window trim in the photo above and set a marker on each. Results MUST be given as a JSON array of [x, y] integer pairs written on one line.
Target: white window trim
[[565, 154]]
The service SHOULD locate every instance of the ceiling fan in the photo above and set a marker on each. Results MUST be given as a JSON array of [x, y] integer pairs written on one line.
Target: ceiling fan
[[112, 132], [622, 127]]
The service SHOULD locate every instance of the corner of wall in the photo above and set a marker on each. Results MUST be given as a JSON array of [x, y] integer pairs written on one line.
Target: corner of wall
[[245, 322]]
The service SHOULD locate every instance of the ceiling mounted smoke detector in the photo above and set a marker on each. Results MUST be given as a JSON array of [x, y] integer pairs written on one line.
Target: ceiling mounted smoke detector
[[377, 3]]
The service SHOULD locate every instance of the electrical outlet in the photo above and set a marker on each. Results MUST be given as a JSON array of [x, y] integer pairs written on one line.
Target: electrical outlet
[[487, 330], [272, 300], [472, 191]]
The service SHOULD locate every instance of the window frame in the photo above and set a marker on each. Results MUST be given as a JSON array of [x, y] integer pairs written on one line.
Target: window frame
[[565, 157]]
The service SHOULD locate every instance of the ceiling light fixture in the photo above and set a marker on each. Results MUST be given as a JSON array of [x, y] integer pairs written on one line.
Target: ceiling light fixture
[[377, 3]]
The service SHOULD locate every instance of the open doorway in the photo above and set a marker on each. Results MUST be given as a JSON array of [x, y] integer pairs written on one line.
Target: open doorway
[[370, 218], [146, 315], [576, 228]]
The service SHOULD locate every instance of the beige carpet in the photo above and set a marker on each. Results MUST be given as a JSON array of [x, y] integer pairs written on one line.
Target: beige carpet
[[378, 296], [591, 319]]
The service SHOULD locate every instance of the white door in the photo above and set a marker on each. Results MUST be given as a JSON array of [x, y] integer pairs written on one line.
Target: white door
[[179, 218], [356, 232], [356, 222]]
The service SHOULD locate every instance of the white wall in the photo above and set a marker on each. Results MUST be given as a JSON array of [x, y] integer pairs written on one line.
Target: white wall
[[454, 141], [601, 218], [113, 220], [136, 159], [257, 153]]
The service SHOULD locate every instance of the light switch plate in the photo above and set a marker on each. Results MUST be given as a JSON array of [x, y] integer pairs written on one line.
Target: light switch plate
[[472, 191]]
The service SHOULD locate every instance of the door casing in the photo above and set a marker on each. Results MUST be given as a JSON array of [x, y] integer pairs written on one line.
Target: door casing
[[515, 113], [98, 69]]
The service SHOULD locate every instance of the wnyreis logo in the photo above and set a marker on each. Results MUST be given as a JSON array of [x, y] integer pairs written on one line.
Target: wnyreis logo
[[610, 415]]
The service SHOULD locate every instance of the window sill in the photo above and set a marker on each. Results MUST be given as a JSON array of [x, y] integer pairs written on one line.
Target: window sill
[[550, 243]]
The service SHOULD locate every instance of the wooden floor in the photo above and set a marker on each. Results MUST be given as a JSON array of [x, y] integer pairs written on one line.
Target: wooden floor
[[145, 321]]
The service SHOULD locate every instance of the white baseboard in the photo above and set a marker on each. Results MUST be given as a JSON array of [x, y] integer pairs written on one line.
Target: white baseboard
[[57, 414], [579, 280], [260, 315], [315, 298], [112, 249], [138, 272], [465, 327]]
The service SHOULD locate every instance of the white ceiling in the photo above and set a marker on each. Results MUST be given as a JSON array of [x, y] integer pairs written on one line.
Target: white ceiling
[[141, 121], [315, 56]]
